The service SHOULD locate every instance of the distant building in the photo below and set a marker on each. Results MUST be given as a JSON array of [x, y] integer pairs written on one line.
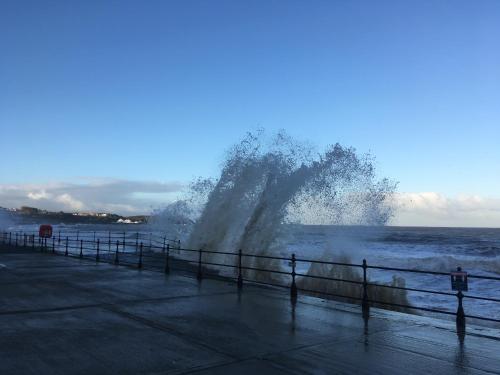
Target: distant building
[[29, 210]]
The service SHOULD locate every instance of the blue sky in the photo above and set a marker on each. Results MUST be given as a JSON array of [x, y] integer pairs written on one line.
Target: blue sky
[[157, 90]]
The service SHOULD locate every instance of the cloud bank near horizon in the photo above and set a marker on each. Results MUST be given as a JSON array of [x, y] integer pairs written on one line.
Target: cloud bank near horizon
[[435, 209], [128, 197], [125, 197]]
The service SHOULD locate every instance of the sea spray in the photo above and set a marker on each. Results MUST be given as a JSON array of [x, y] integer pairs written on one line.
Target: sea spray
[[176, 219], [265, 185], [346, 285]]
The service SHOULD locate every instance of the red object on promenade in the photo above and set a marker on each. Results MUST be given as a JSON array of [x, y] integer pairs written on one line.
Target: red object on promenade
[[45, 231]]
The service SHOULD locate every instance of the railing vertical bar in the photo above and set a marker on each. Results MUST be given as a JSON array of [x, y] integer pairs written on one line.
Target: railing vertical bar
[[365, 302], [240, 276], [139, 265], [293, 288], [199, 276], [167, 257], [117, 261]]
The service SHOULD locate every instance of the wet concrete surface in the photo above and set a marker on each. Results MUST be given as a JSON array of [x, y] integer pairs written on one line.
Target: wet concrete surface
[[69, 316]]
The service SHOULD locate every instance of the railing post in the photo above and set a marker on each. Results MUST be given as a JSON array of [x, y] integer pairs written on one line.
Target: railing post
[[53, 245], [163, 248], [293, 288], [139, 265], [123, 249], [66, 250], [97, 251], [81, 248], [240, 276], [59, 239], [33, 242], [136, 242], [167, 261], [460, 313], [199, 275], [24, 240], [116, 253], [365, 303], [16, 239]]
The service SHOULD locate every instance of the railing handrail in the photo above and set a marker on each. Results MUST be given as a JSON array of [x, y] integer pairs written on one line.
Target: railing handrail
[[89, 233], [122, 240], [256, 255]]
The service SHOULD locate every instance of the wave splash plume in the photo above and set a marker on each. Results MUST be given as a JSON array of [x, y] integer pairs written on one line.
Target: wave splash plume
[[268, 183]]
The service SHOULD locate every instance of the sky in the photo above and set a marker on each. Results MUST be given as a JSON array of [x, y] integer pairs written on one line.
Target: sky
[[115, 105]]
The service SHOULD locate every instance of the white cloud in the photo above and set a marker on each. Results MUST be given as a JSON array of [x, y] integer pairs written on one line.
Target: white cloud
[[117, 196], [36, 195], [69, 201], [435, 209]]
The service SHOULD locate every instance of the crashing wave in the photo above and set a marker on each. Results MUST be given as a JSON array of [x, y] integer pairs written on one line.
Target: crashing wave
[[265, 184]]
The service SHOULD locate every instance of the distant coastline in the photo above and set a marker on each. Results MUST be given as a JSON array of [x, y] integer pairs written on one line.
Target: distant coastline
[[32, 215]]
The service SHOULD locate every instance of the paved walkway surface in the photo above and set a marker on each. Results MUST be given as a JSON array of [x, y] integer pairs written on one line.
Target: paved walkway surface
[[67, 316]]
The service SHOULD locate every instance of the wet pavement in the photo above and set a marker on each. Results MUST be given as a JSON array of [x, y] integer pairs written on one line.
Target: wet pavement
[[68, 316]]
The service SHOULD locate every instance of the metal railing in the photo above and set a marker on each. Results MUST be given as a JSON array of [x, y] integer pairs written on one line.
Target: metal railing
[[154, 252]]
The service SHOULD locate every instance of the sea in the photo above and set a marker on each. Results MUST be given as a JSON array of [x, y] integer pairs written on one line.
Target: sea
[[475, 250]]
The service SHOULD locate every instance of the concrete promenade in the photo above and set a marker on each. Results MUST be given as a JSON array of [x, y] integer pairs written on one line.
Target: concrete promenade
[[68, 316]]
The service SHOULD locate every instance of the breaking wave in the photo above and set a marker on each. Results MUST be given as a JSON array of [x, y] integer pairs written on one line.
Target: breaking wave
[[449, 262], [266, 183]]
